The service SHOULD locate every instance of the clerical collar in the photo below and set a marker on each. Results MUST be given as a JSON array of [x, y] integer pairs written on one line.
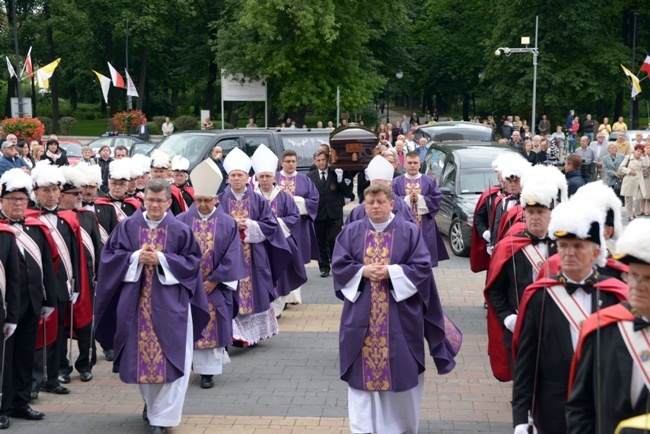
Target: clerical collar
[[267, 194], [283, 173], [380, 227], [113, 198], [153, 224], [206, 216], [238, 196], [418, 176]]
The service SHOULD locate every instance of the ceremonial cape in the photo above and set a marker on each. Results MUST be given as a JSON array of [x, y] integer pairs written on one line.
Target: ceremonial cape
[[304, 232], [405, 323], [513, 216], [268, 259], [118, 321], [479, 260], [224, 262], [497, 352], [179, 203], [432, 198], [614, 286]]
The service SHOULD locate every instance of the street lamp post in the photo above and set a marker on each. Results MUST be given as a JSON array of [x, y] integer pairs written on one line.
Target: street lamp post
[[399, 74], [525, 41], [129, 103]]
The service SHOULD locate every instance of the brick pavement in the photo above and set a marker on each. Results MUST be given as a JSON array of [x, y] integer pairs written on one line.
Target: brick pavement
[[290, 383]]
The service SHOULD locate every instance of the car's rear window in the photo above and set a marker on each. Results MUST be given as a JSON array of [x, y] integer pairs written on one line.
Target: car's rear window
[[475, 182], [304, 145]]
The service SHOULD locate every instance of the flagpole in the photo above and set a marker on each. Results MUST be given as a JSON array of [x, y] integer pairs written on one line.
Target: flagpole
[[129, 103], [18, 87], [632, 68]]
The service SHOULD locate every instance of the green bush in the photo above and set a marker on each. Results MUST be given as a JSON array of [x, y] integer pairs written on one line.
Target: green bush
[[184, 123], [159, 120], [66, 123], [47, 123], [154, 128], [369, 116], [87, 112]]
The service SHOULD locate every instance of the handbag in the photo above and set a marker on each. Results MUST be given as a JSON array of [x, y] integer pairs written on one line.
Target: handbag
[[617, 186]]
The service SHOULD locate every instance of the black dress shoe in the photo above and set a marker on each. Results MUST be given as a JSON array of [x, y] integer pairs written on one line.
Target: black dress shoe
[[33, 396], [324, 273], [144, 413], [64, 378], [86, 376], [157, 429], [4, 422], [109, 355], [28, 413], [59, 390], [207, 382]]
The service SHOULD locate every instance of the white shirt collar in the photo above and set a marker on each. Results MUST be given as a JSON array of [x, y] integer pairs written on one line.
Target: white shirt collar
[[380, 227], [283, 173], [153, 224], [206, 216], [418, 176]]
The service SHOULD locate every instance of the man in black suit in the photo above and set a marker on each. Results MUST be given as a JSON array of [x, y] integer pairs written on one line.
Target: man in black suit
[[551, 313], [38, 295], [332, 190], [144, 130], [609, 374]]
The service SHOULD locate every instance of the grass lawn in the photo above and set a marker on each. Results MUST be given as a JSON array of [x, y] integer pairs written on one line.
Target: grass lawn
[[94, 128]]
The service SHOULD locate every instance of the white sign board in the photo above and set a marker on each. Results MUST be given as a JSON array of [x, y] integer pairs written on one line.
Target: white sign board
[[240, 88], [27, 107]]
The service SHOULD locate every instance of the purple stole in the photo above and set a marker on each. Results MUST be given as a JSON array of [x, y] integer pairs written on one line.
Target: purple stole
[[240, 209], [204, 234], [287, 184], [151, 358], [414, 186], [375, 351]]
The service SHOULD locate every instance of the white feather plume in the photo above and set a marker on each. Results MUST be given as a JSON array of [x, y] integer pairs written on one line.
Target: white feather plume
[[47, 175], [92, 174], [506, 158], [160, 159], [74, 176], [543, 184], [598, 195], [120, 169], [143, 161], [635, 240], [16, 179], [575, 218], [180, 163]]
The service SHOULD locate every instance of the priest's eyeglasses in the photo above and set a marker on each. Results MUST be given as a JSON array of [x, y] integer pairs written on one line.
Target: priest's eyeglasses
[[156, 201]]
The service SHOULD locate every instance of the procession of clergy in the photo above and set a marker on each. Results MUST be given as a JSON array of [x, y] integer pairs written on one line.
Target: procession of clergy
[[568, 299], [164, 274]]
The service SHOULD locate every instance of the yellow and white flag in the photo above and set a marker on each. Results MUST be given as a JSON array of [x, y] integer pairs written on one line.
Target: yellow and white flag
[[44, 74], [105, 83], [636, 86]]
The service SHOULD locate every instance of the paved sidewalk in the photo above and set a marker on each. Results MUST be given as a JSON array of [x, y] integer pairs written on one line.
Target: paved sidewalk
[[290, 383]]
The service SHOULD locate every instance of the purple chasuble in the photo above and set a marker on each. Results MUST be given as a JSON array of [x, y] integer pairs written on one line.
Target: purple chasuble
[[381, 341], [295, 275], [265, 261], [428, 188], [304, 233], [223, 261], [141, 320], [359, 212]]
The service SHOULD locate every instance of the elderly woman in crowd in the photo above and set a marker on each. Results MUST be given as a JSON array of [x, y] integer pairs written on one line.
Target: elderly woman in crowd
[[529, 154], [611, 162], [55, 154], [633, 187]]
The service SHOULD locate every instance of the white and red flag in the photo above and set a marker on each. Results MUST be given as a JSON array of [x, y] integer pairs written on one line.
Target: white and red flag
[[28, 64], [646, 66], [130, 87], [116, 77]]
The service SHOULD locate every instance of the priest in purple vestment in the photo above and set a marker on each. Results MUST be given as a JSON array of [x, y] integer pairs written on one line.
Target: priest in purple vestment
[[380, 171], [152, 304], [382, 271], [222, 265], [286, 212], [305, 195], [421, 193], [266, 252]]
